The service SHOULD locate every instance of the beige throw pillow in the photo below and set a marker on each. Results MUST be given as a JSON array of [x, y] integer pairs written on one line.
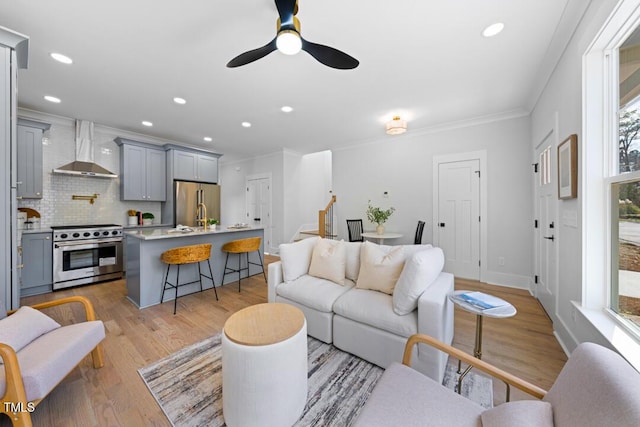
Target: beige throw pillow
[[328, 261], [380, 267]]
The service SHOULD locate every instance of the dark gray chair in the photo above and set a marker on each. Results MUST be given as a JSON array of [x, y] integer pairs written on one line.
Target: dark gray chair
[[418, 239], [354, 226]]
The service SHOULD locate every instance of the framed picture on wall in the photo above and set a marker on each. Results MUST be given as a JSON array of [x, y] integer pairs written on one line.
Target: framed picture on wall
[[568, 168]]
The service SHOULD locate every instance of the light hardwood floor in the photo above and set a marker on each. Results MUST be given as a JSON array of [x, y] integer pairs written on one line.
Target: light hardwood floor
[[116, 396]]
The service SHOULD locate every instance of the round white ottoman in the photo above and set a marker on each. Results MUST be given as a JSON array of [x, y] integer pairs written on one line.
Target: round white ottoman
[[264, 366]]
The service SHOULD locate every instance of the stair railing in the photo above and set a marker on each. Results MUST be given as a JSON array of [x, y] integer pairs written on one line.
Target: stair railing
[[325, 221]]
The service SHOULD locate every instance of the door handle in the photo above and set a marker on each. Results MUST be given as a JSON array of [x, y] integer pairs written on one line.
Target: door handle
[[441, 224], [256, 219], [551, 238]]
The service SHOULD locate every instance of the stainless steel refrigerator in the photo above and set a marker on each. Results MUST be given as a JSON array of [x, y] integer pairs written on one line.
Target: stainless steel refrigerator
[[189, 195]]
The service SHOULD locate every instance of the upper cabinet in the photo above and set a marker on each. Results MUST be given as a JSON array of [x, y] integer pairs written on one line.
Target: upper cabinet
[[193, 165], [29, 158], [142, 171]]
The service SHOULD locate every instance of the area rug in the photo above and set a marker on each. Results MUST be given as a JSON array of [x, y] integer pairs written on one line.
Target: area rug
[[188, 385]]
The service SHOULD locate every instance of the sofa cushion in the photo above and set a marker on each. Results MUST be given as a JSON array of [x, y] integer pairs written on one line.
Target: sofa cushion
[[409, 250], [380, 267], [328, 260], [405, 397], [522, 413], [419, 271], [375, 309], [45, 362], [24, 326], [319, 294], [352, 260], [296, 258]]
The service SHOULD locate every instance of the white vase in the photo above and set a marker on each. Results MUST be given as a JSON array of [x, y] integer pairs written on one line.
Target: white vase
[[380, 229], [147, 221], [133, 220]]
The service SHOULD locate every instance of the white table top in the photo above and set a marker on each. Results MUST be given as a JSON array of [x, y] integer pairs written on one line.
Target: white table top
[[502, 311], [374, 235]]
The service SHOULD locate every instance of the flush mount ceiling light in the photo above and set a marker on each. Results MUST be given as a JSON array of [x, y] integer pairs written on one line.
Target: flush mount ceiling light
[[246, 124], [208, 138], [61, 58], [147, 123], [52, 99], [396, 126], [286, 109], [493, 29], [179, 100]]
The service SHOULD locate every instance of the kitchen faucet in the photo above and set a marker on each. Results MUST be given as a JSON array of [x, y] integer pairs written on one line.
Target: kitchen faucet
[[202, 220]]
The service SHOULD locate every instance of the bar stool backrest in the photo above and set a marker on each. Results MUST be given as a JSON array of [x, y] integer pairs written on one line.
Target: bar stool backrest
[[187, 254], [243, 245]]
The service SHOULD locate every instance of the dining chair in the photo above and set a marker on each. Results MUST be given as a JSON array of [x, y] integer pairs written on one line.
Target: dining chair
[[354, 226], [419, 229]]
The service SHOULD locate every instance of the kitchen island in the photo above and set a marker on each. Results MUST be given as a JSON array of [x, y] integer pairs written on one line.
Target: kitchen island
[[145, 272]]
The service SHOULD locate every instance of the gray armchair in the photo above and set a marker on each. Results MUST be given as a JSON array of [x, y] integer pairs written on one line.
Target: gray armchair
[[37, 353], [596, 387]]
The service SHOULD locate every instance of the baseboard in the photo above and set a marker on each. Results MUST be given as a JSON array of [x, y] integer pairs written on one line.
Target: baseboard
[[506, 279]]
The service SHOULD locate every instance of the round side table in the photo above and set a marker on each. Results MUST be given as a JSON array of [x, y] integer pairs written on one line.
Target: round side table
[[502, 309], [264, 365]]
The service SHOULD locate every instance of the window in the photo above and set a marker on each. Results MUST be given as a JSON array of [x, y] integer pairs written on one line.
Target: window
[[545, 166], [625, 188], [610, 175]]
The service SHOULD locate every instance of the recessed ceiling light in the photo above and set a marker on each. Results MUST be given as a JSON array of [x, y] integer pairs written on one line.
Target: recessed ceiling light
[[61, 58], [286, 109], [246, 124], [52, 99], [493, 29], [180, 101], [147, 123], [208, 138]]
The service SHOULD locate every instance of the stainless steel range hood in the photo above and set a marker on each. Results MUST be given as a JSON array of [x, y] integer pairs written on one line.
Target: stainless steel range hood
[[84, 164]]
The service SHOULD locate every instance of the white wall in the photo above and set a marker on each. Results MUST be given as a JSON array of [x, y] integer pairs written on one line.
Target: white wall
[[563, 96], [402, 166], [315, 187]]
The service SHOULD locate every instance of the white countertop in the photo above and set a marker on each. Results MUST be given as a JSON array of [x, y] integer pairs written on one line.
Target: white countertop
[[171, 233]]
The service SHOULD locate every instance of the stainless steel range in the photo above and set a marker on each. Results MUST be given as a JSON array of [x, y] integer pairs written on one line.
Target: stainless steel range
[[86, 254]]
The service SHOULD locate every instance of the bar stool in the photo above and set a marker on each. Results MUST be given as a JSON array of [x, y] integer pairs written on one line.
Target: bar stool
[[242, 246], [186, 255]]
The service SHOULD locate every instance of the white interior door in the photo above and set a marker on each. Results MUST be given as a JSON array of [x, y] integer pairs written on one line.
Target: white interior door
[[458, 221], [546, 225], [259, 206]]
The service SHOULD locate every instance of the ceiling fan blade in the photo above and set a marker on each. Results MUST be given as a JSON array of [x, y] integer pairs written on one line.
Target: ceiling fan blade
[[286, 10], [329, 56], [253, 55]]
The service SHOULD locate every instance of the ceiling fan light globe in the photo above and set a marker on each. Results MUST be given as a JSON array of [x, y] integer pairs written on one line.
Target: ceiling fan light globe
[[289, 42]]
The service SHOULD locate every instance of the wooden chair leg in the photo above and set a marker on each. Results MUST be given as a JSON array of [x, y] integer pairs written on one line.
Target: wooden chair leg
[[96, 356]]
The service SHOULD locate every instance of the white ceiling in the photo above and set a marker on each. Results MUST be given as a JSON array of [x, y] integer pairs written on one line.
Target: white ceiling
[[425, 60]]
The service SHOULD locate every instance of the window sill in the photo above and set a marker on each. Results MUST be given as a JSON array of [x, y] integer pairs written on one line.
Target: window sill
[[618, 336]]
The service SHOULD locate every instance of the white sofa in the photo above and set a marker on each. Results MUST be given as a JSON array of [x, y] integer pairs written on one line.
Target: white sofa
[[362, 321]]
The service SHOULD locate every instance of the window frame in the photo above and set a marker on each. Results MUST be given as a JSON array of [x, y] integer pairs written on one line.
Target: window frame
[[599, 172]]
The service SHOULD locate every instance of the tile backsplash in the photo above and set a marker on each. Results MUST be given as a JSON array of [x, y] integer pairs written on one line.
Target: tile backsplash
[[57, 206]]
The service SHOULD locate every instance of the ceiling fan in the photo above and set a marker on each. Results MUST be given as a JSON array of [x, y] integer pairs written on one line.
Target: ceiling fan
[[289, 41]]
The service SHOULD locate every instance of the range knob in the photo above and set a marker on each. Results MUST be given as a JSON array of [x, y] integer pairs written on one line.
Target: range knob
[[105, 233], [86, 234], [76, 234], [64, 235], [114, 232], [96, 233]]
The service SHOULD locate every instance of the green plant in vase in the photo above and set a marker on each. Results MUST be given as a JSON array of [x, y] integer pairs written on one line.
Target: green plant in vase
[[147, 218], [379, 216], [212, 223]]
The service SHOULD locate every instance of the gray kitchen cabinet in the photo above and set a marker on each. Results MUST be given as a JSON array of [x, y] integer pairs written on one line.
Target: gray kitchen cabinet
[[29, 158], [37, 263], [142, 171], [195, 167]]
